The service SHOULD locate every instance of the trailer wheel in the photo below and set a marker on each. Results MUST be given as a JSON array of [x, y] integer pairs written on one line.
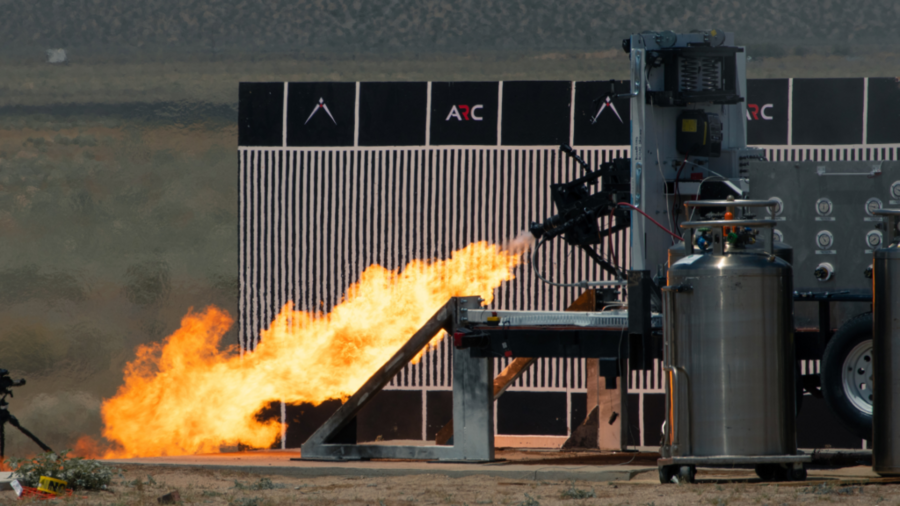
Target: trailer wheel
[[847, 375]]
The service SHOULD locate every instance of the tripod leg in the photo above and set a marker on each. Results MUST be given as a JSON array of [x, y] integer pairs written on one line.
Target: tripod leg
[[15, 423]]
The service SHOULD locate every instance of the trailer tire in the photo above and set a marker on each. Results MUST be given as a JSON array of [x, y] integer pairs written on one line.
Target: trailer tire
[[846, 375]]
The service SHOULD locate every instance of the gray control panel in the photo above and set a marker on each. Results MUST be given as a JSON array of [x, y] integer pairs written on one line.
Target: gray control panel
[[825, 214]]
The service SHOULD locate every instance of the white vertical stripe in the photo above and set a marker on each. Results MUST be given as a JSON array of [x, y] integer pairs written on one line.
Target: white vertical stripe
[[641, 419], [424, 415], [331, 171], [255, 171], [316, 226], [242, 259], [495, 418], [299, 216], [283, 279], [284, 116], [283, 426]]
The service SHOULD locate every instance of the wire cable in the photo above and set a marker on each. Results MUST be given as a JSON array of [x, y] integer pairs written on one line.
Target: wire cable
[[691, 218], [581, 284], [658, 224], [659, 163]]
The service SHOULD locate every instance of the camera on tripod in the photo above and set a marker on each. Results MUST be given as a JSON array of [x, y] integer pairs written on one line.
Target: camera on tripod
[[6, 382]]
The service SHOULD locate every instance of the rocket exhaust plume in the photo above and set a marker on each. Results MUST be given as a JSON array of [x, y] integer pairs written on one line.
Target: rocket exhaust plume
[[185, 396]]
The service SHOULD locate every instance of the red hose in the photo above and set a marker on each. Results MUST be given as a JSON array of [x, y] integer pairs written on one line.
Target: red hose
[[626, 204]]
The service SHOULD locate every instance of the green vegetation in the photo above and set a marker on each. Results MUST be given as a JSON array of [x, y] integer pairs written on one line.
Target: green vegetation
[[81, 474], [577, 493]]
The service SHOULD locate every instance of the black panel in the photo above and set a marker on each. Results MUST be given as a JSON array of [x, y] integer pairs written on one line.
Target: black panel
[[884, 110], [392, 114], [767, 111], [321, 114], [536, 113], [260, 114], [464, 113], [304, 419], [654, 416], [532, 413], [579, 409], [819, 427], [634, 420], [827, 111], [600, 119], [391, 414], [439, 412]]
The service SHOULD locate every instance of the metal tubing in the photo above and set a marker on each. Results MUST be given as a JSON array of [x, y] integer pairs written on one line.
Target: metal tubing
[[729, 223], [731, 203]]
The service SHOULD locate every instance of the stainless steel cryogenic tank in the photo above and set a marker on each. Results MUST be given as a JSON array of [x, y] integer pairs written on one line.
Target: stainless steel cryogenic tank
[[729, 354], [886, 350]]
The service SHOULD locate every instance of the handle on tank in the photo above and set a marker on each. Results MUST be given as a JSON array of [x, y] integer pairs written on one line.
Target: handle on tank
[[678, 382], [689, 227], [893, 216], [680, 417], [731, 203]]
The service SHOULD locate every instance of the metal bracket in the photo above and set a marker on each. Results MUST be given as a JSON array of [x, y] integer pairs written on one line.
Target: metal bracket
[[473, 406], [876, 171]]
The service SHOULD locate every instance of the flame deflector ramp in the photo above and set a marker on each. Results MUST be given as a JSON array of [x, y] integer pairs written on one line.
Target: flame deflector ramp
[[473, 404]]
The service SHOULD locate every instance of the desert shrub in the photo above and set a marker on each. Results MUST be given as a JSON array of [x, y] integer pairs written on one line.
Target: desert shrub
[[81, 474], [262, 484], [577, 493]]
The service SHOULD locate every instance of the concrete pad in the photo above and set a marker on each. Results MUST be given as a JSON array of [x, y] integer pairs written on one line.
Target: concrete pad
[[279, 463], [845, 472], [5, 478]]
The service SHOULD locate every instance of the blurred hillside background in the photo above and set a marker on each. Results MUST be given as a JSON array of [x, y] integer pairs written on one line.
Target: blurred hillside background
[[118, 167]]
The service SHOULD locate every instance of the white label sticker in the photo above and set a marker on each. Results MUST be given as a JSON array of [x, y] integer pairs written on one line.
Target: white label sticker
[[688, 260]]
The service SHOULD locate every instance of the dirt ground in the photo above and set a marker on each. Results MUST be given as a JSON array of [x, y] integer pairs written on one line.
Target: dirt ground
[[142, 485]]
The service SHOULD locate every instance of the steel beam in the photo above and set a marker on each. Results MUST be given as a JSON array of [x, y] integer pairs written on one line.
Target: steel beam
[[317, 447]]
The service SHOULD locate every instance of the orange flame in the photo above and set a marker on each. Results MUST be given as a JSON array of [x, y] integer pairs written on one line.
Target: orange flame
[[184, 396]]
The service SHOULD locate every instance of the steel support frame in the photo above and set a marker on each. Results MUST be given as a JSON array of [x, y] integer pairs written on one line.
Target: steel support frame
[[473, 403]]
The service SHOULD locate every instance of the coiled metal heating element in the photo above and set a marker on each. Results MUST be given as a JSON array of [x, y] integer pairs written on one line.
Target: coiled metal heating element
[[700, 73]]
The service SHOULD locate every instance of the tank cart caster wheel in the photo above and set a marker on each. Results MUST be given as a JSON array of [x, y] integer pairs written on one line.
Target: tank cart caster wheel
[[666, 473], [767, 472], [686, 474]]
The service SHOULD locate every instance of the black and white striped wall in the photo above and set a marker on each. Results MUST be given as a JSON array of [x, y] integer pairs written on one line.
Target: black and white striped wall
[[334, 177]]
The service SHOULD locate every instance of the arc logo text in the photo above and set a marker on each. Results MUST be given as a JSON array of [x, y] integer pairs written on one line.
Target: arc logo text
[[464, 112], [755, 112]]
